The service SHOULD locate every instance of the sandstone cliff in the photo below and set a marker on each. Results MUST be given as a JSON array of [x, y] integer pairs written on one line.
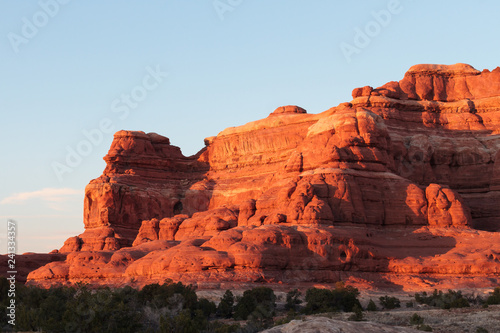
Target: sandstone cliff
[[403, 179]]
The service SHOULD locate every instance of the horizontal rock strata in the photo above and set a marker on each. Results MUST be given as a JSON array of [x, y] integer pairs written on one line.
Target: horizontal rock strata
[[404, 179]]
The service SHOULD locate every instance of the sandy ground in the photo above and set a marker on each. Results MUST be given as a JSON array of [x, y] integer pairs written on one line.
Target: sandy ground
[[454, 320]]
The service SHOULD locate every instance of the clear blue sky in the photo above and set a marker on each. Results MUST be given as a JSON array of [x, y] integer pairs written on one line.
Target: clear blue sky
[[65, 68]]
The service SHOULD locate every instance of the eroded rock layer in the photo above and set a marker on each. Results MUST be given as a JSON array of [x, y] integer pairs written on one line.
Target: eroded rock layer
[[404, 179]]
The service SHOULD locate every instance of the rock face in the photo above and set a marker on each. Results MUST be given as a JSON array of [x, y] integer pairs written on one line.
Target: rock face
[[28, 262], [145, 178], [444, 124], [391, 182]]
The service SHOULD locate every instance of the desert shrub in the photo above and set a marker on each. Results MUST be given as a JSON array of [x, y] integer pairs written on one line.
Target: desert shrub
[[66, 309], [220, 327], [481, 330], [389, 302], [244, 306], [169, 295], [419, 322], [477, 300], [416, 320], [102, 310], [42, 309], [291, 315], [342, 298], [451, 299], [207, 307], [171, 307], [409, 304], [371, 306], [225, 307], [425, 328], [319, 300], [254, 326], [257, 303], [185, 322], [292, 299], [357, 314], [494, 297]]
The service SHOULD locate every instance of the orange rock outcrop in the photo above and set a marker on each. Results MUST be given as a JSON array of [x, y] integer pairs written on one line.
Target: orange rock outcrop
[[402, 180]]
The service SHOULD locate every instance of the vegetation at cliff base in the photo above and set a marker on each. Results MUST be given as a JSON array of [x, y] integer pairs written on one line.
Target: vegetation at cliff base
[[170, 307], [389, 302], [451, 299], [175, 307], [342, 298]]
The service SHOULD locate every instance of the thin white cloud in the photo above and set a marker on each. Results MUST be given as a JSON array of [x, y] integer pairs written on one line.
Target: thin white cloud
[[52, 216], [48, 195]]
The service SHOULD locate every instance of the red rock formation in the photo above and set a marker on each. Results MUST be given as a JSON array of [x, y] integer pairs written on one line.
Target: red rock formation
[[443, 123], [145, 178], [443, 83], [445, 207], [28, 262], [388, 183]]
